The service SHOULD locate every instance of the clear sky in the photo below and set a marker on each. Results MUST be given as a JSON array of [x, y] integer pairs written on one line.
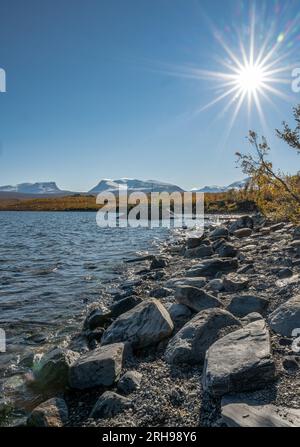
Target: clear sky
[[114, 88]]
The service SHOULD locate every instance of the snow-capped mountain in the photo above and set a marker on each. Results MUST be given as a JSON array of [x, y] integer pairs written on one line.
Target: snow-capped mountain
[[146, 186], [33, 188], [214, 188]]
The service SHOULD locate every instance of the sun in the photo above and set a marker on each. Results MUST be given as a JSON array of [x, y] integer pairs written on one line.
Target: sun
[[250, 78]]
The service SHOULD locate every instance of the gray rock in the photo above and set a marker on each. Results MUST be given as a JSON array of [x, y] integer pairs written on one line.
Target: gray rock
[[53, 368], [240, 361], [158, 263], [253, 316], [130, 382], [196, 299], [218, 233], [179, 312], [109, 405], [296, 233], [203, 251], [161, 292], [243, 305], [216, 285], [146, 324], [196, 282], [52, 413], [189, 345], [210, 267], [227, 250], [242, 222], [285, 273], [291, 363], [278, 226], [239, 413], [235, 283], [97, 317], [242, 232], [195, 241], [122, 306], [286, 317], [101, 367]]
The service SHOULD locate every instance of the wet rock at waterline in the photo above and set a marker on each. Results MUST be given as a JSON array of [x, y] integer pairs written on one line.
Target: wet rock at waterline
[[146, 324], [124, 305], [97, 317], [53, 368]]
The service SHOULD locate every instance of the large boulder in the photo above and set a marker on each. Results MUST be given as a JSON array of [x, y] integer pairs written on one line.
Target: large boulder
[[242, 222], [286, 317], [196, 299], [100, 367], [146, 324], [53, 369], [109, 405], [240, 361], [52, 413], [240, 412], [243, 305], [190, 344], [210, 267]]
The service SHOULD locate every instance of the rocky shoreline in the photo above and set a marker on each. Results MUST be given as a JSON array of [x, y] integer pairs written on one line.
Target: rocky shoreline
[[205, 334]]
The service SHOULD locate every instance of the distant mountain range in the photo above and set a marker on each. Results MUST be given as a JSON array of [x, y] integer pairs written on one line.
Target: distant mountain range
[[48, 189], [146, 186], [214, 188], [38, 188]]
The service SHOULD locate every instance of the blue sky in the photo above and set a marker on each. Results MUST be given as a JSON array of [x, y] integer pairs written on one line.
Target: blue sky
[[93, 90]]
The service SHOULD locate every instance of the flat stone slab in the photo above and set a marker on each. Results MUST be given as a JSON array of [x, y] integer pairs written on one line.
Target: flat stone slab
[[240, 361], [236, 413], [100, 367]]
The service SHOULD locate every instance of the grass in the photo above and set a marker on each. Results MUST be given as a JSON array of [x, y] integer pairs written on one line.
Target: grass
[[229, 202]]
